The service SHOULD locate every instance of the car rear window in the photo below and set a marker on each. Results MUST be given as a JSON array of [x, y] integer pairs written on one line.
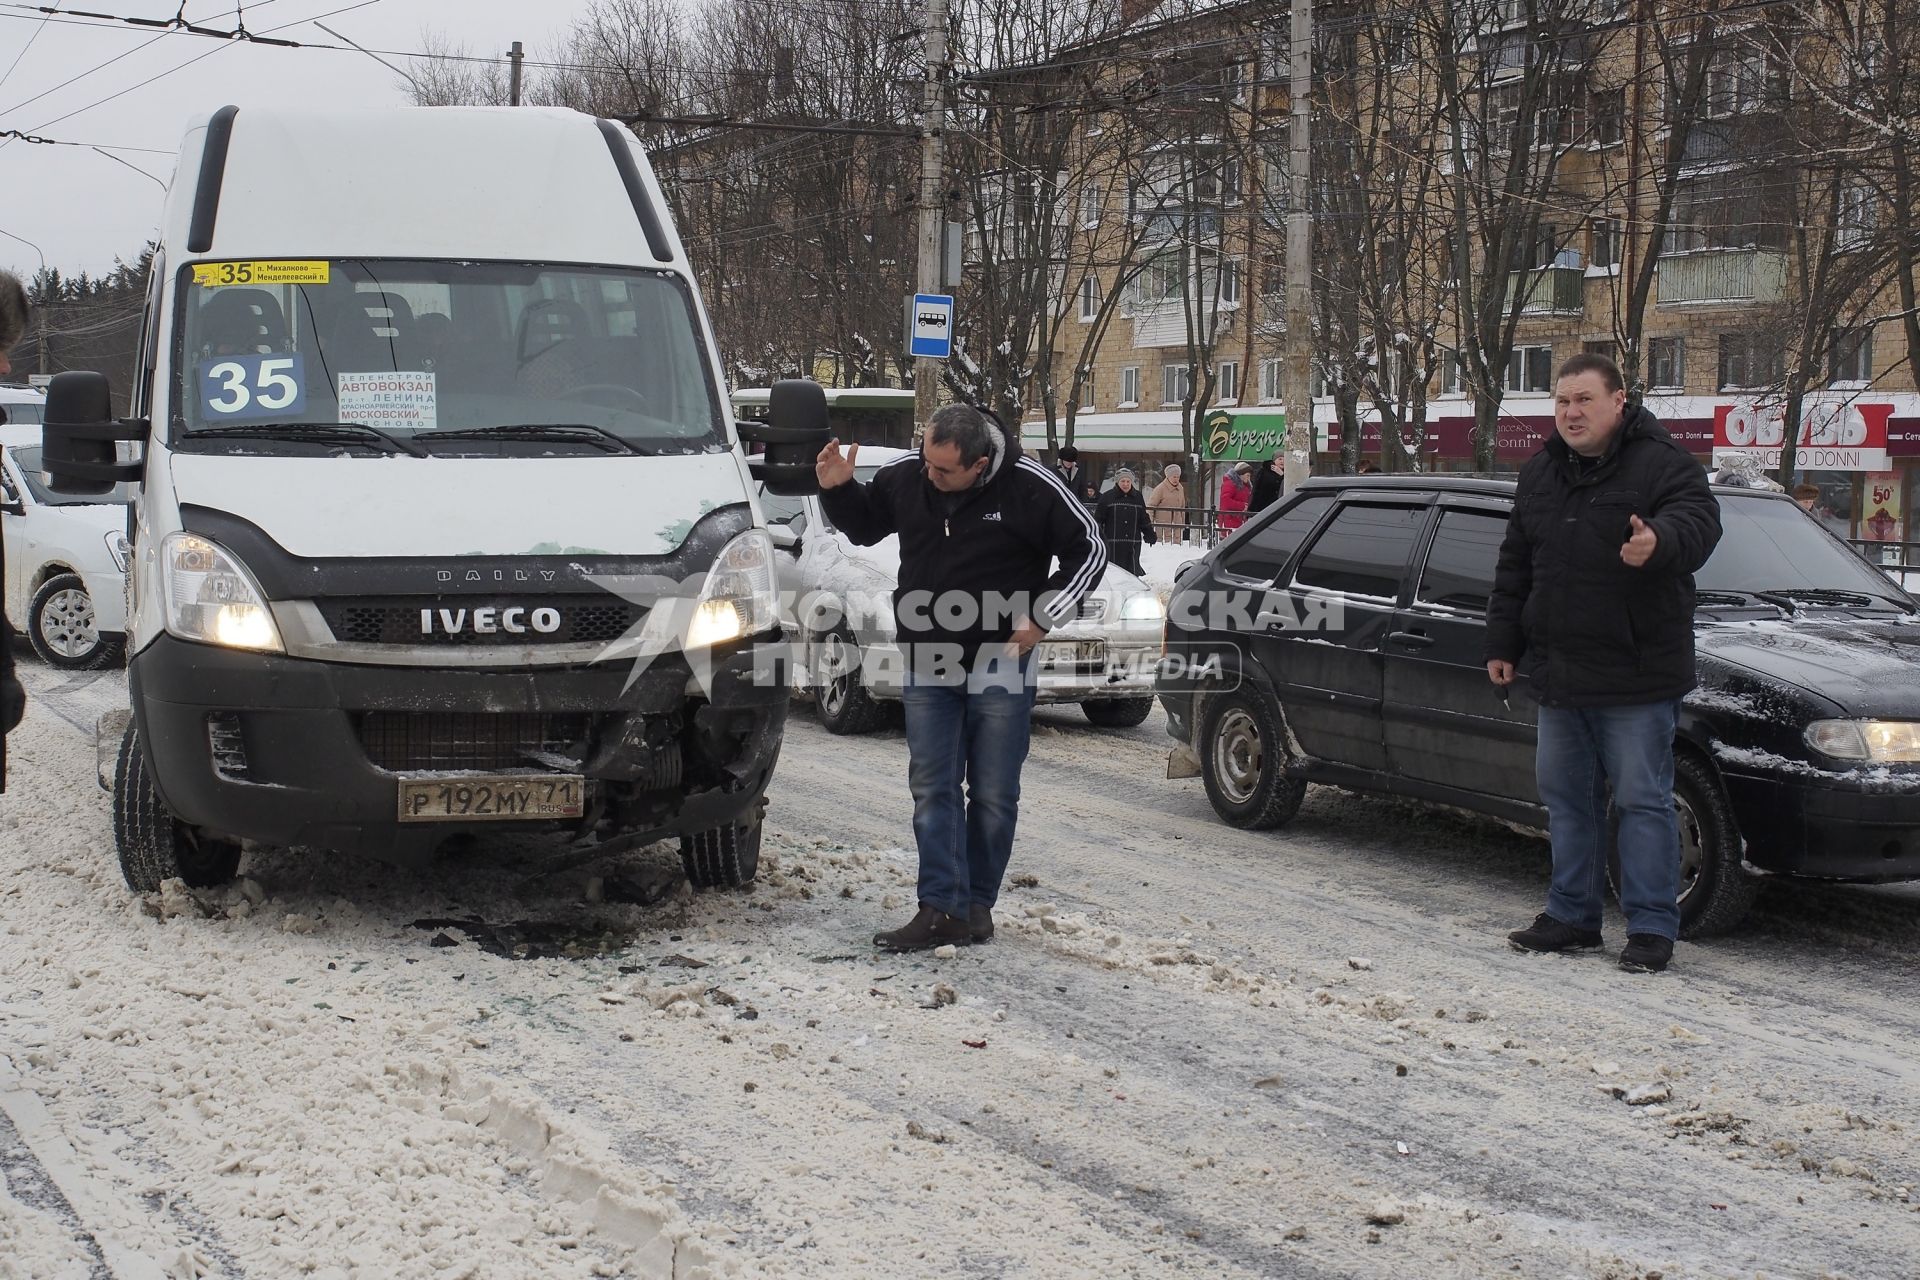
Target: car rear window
[[1262, 553], [1363, 551]]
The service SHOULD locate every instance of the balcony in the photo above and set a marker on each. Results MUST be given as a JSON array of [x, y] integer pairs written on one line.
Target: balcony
[[1722, 275], [1162, 325], [1548, 291]]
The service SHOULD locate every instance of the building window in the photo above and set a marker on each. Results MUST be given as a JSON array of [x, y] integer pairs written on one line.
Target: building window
[[1666, 363], [1748, 362], [1609, 349], [1089, 297], [1854, 221], [1853, 356], [1130, 386], [1175, 385], [1270, 384], [1608, 117], [1741, 82], [1453, 371], [1530, 369], [1086, 389], [1226, 381], [1605, 248], [1091, 198], [1229, 283]]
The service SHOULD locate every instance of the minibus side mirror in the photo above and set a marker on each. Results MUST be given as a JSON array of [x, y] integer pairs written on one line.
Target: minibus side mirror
[[793, 435], [79, 436]]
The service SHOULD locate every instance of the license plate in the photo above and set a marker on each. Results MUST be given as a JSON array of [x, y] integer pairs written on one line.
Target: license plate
[[507, 798], [1073, 653]]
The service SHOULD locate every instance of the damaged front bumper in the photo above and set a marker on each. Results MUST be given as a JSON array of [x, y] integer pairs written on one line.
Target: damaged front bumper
[[289, 751]]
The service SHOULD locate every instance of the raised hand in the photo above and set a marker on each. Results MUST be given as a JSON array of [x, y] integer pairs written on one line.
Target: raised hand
[[833, 470]]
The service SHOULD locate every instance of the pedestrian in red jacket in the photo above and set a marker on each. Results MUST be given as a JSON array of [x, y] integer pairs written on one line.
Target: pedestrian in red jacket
[[1236, 491]]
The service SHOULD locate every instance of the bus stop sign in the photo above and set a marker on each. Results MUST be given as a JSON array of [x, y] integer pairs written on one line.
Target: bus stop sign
[[930, 325]]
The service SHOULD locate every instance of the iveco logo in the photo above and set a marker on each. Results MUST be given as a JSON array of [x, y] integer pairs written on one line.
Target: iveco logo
[[487, 621]]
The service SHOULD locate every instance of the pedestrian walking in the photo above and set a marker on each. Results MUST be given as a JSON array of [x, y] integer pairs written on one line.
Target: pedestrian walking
[[1268, 482], [1593, 603], [1236, 491], [14, 313], [1167, 504], [980, 525], [1078, 478], [1121, 514]]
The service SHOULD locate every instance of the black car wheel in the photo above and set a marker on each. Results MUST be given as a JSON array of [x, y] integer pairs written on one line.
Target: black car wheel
[[1243, 760], [61, 626], [722, 858], [152, 844], [841, 700], [1117, 713], [1715, 893]]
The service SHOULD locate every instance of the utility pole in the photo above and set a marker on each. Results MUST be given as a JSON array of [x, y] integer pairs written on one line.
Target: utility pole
[[513, 82], [1299, 345], [933, 205]]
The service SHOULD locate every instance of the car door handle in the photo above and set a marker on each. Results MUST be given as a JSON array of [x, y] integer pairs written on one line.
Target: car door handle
[[1410, 639]]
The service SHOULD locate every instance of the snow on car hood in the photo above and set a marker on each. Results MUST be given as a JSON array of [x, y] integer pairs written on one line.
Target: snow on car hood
[[1870, 668], [437, 506]]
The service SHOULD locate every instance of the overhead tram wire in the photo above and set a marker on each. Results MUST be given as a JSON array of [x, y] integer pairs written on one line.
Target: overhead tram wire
[[8, 73], [189, 62]]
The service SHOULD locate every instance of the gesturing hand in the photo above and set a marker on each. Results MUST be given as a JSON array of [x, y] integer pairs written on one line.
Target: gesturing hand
[[830, 468], [1640, 543]]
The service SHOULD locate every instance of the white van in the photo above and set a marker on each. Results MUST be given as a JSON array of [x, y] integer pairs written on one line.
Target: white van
[[441, 523]]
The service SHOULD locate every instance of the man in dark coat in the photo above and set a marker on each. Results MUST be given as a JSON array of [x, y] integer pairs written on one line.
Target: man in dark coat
[[1268, 482], [13, 699], [980, 526], [1593, 603], [1078, 478]]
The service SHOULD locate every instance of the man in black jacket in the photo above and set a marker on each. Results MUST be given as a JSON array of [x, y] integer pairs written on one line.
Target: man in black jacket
[[980, 525], [13, 699], [1268, 483], [1593, 603]]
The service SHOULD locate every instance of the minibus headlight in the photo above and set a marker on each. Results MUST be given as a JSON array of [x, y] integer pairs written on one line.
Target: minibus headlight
[[209, 597], [740, 597]]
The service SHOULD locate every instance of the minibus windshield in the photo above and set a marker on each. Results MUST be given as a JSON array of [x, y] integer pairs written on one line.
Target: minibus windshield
[[442, 358]]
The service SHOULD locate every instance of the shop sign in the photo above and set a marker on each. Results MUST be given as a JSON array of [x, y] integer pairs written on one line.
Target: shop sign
[[1241, 437], [1834, 436]]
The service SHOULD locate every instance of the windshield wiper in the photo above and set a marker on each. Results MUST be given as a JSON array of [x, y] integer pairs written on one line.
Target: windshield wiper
[[1711, 597], [1790, 597], [323, 432], [568, 432]]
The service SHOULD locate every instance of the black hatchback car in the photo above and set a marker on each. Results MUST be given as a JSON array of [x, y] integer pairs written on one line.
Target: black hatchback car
[[1338, 638]]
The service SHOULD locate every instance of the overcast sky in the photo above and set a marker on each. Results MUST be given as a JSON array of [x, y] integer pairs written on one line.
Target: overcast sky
[[83, 209]]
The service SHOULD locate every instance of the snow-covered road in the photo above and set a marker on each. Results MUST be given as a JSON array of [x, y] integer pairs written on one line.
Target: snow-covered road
[[1190, 1051]]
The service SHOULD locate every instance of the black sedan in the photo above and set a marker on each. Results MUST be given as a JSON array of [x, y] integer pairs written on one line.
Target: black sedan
[[1338, 638]]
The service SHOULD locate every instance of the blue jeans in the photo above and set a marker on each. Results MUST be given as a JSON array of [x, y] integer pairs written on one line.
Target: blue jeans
[[976, 733], [1582, 751]]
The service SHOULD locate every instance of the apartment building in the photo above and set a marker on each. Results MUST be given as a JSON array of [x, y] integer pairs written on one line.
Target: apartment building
[[1173, 265]]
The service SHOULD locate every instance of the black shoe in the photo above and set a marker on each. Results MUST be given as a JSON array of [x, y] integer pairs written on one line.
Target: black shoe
[[1548, 934], [980, 922], [1646, 953], [928, 928]]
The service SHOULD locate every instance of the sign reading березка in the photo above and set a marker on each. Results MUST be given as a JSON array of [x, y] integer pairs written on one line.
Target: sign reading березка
[[1833, 436], [1242, 437]]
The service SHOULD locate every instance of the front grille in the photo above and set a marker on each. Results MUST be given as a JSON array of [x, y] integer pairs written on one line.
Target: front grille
[[583, 619], [426, 741], [1092, 609]]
